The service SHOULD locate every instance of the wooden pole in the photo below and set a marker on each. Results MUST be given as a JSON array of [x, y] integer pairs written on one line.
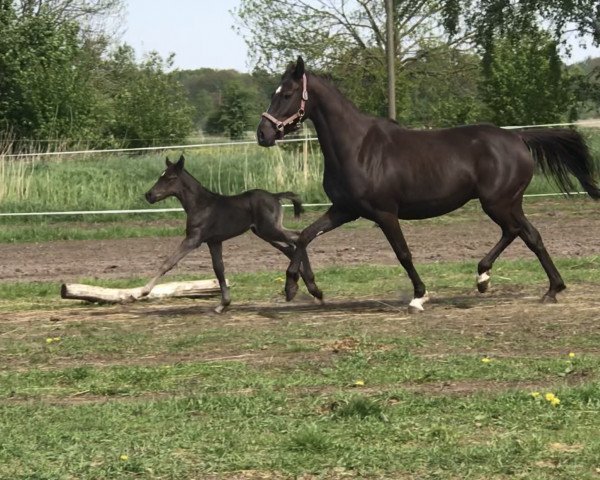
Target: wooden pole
[[391, 55], [90, 293]]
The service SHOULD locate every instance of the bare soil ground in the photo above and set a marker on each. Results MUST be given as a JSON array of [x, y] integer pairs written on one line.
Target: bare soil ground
[[569, 229]]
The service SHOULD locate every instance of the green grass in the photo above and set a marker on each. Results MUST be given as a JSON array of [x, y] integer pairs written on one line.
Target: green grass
[[176, 392]]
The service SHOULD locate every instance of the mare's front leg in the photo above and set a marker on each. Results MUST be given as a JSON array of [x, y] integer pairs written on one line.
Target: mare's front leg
[[391, 228], [187, 245], [330, 220], [216, 253]]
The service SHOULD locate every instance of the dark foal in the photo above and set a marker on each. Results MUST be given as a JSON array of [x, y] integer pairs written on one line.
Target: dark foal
[[378, 170], [213, 218]]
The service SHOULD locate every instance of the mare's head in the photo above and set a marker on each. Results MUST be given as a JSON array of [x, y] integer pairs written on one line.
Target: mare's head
[[288, 106], [169, 182]]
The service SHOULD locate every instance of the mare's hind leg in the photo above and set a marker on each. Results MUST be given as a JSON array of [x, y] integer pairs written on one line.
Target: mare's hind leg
[[216, 253], [391, 228], [485, 265], [513, 223], [533, 240], [331, 219]]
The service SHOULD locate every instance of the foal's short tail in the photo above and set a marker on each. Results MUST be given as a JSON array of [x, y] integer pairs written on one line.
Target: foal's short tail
[[295, 199], [559, 152]]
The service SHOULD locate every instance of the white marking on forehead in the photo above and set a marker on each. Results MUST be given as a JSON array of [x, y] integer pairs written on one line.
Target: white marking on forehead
[[163, 173], [278, 89]]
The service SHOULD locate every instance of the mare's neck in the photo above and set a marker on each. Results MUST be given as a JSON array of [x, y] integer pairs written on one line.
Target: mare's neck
[[192, 193], [339, 124]]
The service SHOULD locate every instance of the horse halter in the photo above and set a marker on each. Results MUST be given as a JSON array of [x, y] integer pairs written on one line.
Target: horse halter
[[296, 117]]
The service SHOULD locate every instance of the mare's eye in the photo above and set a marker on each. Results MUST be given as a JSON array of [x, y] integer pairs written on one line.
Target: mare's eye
[[287, 95]]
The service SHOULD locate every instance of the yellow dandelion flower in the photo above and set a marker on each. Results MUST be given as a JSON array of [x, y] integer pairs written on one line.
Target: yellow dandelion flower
[[555, 401], [49, 340], [124, 458], [486, 360], [280, 279], [359, 383], [56, 339], [535, 394], [571, 355], [549, 396]]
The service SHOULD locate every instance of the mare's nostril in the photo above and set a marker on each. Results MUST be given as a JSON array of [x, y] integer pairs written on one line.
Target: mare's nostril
[[261, 136]]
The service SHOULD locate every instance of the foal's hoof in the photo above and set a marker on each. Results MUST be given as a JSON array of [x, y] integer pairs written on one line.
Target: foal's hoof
[[291, 288], [221, 308], [549, 299], [319, 300]]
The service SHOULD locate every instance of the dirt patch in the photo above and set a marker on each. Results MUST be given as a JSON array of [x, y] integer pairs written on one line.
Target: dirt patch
[[568, 229]]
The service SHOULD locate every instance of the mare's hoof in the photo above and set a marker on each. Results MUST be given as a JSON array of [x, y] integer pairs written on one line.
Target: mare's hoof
[[483, 282], [416, 304], [483, 287], [413, 310], [319, 300], [549, 299]]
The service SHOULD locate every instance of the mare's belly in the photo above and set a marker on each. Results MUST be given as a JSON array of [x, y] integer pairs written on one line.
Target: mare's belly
[[431, 207]]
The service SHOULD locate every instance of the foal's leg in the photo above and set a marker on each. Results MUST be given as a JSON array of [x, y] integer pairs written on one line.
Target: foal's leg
[[186, 246], [285, 241], [216, 253], [391, 228], [330, 220]]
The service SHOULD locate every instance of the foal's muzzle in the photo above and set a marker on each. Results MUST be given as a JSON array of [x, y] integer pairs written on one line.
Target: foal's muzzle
[[150, 197]]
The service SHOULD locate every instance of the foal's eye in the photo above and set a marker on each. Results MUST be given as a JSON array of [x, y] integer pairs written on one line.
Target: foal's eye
[[287, 95]]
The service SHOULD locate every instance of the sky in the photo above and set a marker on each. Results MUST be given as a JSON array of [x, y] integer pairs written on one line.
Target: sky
[[200, 33]]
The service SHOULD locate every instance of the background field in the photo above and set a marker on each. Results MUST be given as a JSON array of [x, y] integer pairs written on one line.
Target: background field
[[355, 389]]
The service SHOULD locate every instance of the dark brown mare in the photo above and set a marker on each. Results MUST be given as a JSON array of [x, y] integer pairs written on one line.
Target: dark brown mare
[[378, 170]]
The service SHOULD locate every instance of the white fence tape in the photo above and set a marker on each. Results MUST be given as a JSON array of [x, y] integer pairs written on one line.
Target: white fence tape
[[168, 210]]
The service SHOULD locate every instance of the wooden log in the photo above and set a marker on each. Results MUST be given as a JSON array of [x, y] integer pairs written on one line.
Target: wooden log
[[90, 293]]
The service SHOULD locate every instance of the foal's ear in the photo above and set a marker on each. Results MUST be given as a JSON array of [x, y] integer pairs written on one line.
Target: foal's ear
[[180, 162], [168, 162], [299, 68]]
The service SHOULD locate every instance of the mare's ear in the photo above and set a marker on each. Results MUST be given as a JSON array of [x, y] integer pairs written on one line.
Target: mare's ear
[[180, 162], [298, 69], [168, 162]]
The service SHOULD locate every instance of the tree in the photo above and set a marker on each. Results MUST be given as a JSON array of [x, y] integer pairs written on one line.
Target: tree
[[149, 106], [524, 80], [347, 38], [44, 86], [234, 114]]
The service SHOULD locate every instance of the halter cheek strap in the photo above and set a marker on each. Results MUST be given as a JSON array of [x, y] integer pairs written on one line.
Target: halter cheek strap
[[296, 117]]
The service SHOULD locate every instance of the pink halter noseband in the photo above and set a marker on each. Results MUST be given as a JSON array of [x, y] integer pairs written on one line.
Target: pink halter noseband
[[296, 117]]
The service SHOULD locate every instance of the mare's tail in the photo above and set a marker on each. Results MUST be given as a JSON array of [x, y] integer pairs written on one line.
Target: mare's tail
[[560, 151], [295, 199]]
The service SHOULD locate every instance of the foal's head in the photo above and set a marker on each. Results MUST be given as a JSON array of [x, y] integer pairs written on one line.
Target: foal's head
[[287, 109], [169, 182]]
